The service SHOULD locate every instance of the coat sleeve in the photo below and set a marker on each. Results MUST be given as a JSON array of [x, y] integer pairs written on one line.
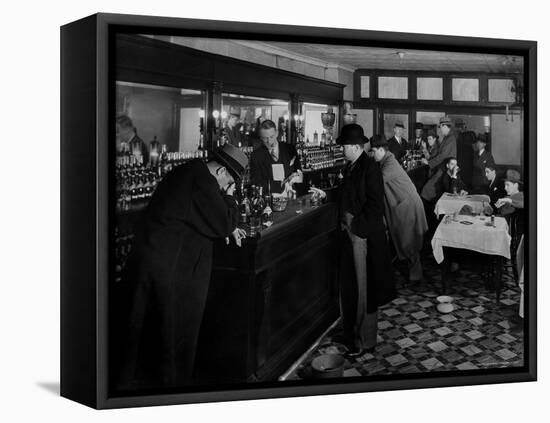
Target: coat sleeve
[[446, 149], [294, 154], [368, 217], [214, 214]]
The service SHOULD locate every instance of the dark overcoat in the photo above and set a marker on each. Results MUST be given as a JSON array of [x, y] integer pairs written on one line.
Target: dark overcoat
[[361, 194], [161, 300]]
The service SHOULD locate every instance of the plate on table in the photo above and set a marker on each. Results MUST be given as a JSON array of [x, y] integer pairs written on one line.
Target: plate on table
[[466, 222]]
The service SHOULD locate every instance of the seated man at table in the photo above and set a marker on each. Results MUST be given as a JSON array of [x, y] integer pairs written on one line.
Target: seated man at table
[[450, 181], [514, 190], [495, 189]]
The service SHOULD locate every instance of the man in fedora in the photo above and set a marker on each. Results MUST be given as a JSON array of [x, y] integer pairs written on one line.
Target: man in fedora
[[233, 129], [482, 160], [514, 190], [159, 304], [447, 148], [397, 144], [365, 269]]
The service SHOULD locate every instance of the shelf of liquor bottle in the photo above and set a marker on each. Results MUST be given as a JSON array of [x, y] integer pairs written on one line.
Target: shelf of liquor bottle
[[336, 167]]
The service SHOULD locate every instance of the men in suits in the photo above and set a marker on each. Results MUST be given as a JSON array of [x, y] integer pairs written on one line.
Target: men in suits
[[365, 268], [495, 187], [274, 163], [397, 144], [157, 309], [419, 139], [482, 159], [447, 148], [128, 140]]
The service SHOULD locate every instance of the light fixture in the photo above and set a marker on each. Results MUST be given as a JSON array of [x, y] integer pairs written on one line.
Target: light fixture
[[216, 114]]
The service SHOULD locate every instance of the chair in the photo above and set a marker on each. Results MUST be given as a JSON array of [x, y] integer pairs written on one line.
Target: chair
[[515, 223]]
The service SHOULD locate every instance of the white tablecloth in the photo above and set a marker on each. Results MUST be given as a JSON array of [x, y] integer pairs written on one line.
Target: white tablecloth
[[449, 203], [476, 237]]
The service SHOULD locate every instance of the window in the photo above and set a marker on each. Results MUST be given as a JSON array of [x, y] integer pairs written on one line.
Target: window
[[429, 88], [465, 89], [393, 87]]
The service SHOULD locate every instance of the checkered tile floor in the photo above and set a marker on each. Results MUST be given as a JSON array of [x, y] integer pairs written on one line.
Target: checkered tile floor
[[414, 337]]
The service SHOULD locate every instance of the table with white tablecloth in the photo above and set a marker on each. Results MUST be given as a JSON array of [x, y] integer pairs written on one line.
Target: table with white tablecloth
[[453, 203], [472, 233]]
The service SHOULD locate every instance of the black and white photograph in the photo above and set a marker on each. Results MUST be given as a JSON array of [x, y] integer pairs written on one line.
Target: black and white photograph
[[300, 213], [274, 211]]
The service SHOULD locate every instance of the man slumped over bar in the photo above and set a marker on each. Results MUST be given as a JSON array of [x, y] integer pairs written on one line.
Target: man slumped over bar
[[365, 269], [158, 308]]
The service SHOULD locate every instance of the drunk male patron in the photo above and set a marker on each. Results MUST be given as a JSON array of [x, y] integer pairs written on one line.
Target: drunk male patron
[[161, 299], [274, 163]]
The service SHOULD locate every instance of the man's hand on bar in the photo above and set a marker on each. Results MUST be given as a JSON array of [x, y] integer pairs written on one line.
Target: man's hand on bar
[[237, 235]]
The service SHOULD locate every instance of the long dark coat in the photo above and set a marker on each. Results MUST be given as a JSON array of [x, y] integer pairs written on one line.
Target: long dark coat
[[404, 210], [161, 300], [361, 193]]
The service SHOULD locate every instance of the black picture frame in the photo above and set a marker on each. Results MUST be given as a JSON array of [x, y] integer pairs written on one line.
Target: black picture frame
[[86, 99]]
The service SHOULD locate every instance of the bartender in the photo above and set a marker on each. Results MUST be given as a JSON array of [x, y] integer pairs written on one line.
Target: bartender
[[275, 165]]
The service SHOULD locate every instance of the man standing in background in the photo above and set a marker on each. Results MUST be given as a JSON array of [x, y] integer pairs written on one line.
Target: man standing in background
[[397, 144], [128, 140], [482, 159]]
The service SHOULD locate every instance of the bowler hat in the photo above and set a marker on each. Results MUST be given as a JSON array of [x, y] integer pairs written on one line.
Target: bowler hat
[[513, 175], [351, 133], [234, 160], [399, 124], [445, 121]]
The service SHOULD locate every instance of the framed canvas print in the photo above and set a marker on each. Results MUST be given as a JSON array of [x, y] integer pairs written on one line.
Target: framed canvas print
[[258, 211]]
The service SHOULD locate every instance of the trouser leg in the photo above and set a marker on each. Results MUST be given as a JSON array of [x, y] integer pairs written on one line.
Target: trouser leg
[[415, 268], [366, 324]]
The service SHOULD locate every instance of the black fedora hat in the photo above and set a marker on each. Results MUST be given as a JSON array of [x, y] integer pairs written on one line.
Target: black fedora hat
[[352, 133], [234, 160]]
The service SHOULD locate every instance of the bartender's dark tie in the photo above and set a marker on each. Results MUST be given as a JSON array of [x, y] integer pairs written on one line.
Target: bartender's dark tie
[[274, 154]]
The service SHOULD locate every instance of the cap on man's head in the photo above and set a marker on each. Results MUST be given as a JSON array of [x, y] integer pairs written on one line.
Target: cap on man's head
[[445, 121], [379, 141], [432, 133], [350, 134], [399, 124], [512, 175], [235, 111], [234, 160], [481, 138]]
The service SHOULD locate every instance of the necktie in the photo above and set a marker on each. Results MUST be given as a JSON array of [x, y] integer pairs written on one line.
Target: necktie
[[274, 154]]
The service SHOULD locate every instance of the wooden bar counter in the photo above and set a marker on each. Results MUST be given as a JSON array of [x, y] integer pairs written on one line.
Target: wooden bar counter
[[270, 299]]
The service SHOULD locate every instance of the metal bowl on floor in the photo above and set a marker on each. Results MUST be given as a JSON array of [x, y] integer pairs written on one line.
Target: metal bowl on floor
[[328, 366], [444, 299]]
